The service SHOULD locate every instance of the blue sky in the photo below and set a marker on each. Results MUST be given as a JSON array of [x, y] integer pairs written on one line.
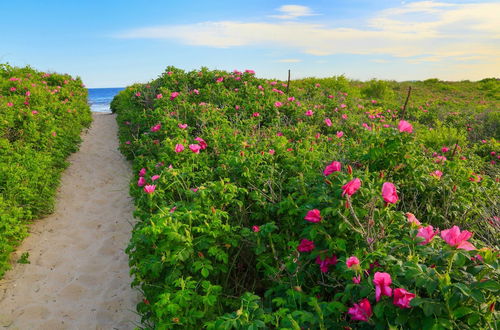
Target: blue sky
[[116, 43]]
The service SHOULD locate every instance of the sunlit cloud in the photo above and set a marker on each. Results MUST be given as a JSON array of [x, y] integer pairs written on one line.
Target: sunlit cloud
[[293, 11], [424, 31]]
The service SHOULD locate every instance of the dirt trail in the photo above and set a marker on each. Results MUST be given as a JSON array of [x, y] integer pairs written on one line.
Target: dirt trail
[[78, 277]]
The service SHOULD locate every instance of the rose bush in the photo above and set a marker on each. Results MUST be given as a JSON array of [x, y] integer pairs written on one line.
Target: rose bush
[[41, 117], [264, 214]]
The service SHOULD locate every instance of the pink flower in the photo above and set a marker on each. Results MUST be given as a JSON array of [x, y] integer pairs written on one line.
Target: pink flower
[[220, 79], [361, 311], [172, 210], [255, 229], [340, 134], [405, 126], [389, 193], [356, 279], [291, 99], [179, 147], [142, 172], [202, 143], [342, 106], [278, 104], [34, 112], [475, 177], [28, 93], [138, 94], [250, 71], [324, 264], [182, 126], [333, 167], [351, 187], [155, 177], [426, 233], [305, 246], [402, 298], [457, 239], [156, 128], [256, 114], [328, 122], [195, 148], [10, 104], [173, 95], [159, 96], [149, 189], [309, 113], [412, 219], [313, 216], [352, 262], [141, 181], [437, 174], [444, 149], [382, 283], [344, 116], [195, 91]]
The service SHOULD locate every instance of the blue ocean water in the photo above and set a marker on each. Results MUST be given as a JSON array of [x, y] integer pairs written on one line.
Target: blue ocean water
[[100, 98]]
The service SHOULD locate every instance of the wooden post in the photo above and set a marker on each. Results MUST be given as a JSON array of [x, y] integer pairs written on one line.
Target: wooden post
[[288, 82], [403, 112]]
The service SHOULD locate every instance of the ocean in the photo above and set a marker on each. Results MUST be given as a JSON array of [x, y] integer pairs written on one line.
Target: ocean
[[100, 98]]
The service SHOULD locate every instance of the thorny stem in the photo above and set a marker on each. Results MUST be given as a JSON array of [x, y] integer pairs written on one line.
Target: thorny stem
[[451, 262], [351, 225], [354, 213]]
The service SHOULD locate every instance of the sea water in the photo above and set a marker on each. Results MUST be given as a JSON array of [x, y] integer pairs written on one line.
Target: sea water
[[100, 98]]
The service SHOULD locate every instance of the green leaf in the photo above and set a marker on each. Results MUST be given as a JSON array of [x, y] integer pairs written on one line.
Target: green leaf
[[461, 312], [204, 272], [488, 285], [463, 288], [477, 295], [415, 302], [473, 319], [378, 310]]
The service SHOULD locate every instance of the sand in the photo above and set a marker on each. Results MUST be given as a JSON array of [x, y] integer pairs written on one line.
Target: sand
[[78, 277]]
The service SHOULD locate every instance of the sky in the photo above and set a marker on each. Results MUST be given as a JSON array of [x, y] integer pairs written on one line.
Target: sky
[[114, 43]]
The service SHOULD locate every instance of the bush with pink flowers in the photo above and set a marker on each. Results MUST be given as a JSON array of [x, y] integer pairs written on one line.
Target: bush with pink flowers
[[41, 117], [266, 215]]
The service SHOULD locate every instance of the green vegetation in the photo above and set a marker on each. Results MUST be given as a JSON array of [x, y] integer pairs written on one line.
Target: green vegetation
[[264, 209], [41, 117]]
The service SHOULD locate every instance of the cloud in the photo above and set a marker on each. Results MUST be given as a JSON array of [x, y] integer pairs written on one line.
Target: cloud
[[424, 31], [293, 11], [289, 60]]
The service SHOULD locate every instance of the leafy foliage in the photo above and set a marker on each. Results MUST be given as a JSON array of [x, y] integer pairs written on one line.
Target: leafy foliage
[[241, 226], [41, 117]]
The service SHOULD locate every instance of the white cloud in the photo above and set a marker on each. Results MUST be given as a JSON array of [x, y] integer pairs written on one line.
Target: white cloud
[[424, 31], [293, 11], [289, 60]]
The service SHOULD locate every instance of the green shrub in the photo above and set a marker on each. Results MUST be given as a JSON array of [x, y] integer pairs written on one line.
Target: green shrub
[[220, 241], [41, 117]]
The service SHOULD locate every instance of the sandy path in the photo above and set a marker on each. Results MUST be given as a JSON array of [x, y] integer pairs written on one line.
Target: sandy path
[[79, 276]]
